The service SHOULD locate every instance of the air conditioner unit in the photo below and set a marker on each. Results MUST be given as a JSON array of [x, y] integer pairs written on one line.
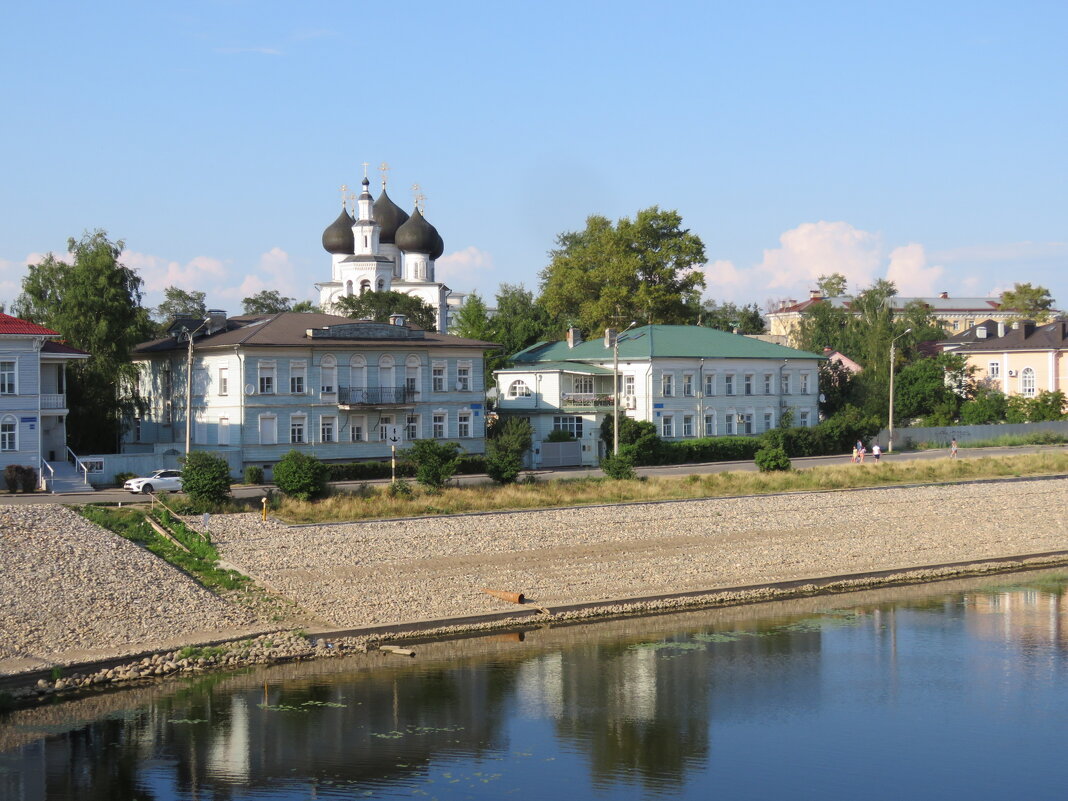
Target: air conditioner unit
[[1012, 374], [630, 402]]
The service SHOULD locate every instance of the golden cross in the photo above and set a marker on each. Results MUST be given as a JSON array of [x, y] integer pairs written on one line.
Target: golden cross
[[365, 165], [352, 196], [420, 201], [384, 169], [344, 189]]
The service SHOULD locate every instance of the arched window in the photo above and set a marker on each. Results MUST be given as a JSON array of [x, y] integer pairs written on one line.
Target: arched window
[[386, 380], [1027, 382], [348, 287], [412, 376], [9, 434], [357, 378], [365, 286], [518, 389], [328, 375], [381, 284]]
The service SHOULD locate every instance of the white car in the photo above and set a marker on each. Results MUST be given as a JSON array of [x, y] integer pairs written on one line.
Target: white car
[[159, 481]]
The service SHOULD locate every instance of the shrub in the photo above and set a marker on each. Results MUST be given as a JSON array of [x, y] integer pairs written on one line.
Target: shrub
[[11, 477], [772, 458], [559, 435], [123, 477], [400, 489], [27, 478], [301, 476], [435, 462], [618, 467], [504, 452], [205, 478], [253, 474]]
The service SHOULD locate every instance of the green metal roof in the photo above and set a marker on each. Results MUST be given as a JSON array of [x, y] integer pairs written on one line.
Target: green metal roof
[[566, 367], [663, 341]]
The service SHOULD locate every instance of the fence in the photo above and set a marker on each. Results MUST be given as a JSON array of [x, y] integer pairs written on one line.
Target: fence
[[941, 435]]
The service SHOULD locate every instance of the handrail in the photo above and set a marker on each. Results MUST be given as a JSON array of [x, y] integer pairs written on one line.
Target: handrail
[[44, 481], [80, 465]]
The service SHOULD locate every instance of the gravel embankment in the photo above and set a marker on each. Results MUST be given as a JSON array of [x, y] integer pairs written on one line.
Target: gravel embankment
[[413, 570], [67, 585]]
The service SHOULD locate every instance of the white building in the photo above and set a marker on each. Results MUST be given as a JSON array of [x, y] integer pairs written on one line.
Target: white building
[[689, 381]]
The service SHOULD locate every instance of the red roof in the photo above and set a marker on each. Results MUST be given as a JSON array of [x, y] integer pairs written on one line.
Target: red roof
[[13, 325]]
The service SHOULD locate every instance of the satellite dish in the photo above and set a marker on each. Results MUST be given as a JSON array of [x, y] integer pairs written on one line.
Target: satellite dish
[[250, 389]]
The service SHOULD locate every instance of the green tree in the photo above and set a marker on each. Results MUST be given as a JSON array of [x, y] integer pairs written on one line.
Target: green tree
[[379, 306], [931, 388], [519, 323], [508, 442], [95, 303], [472, 321], [267, 301], [304, 307], [205, 478], [301, 476], [823, 325], [832, 286], [179, 303], [608, 274], [1034, 301], [435, 462], [987, 405], [729, 316]]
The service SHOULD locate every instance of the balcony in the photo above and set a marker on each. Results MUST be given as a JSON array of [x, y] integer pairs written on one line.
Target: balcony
[[53, 401], [378, 396], [586, 400]]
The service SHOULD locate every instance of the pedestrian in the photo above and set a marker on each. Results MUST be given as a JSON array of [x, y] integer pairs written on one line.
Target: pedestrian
[[853, 460], [876, 452], [953, 448], [862, 450]]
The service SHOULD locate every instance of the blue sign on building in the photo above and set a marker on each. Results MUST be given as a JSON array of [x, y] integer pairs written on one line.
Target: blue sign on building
[[658, 406]]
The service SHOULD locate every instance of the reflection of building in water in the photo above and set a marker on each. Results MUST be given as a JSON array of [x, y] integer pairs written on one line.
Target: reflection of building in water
[[539, 691], [228, 756], [1022, 616]]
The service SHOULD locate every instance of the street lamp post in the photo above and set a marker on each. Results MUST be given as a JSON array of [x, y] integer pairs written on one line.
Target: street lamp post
[[893, 346], [615, 387], [189, 385]]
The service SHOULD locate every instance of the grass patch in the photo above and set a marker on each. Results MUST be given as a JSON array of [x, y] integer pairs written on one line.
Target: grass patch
[[1003, 441], [596, 490]]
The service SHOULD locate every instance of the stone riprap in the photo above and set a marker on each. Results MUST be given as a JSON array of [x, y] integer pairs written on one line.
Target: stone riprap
[[68, 585], [374, 573]]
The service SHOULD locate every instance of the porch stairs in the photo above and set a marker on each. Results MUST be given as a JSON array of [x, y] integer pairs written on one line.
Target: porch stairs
[[67, 478]]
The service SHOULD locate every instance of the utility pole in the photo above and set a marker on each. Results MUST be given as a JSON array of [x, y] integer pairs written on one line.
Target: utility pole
[[890, 426]]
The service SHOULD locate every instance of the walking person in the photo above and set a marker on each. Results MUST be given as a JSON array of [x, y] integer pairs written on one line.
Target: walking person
[[862, 450], [853, 460], [876, 452], [953, 448]]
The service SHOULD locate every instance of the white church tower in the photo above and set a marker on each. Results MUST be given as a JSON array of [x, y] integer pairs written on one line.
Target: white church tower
[[383, 249]]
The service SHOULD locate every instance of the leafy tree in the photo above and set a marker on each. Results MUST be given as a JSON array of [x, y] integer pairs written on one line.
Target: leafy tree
[[379, 306], [205, 478], [987, 405], [267, 301], [729, 316], [928, 388], [472, 321], [824, 325], [832, 286], [837, 386], [95, 303], [519, 323], [301, 476], [435, 462], [1045, 405], [772, 458], [1034, 301], [179, 303], [505, 447], [304, 307], [609, 274]]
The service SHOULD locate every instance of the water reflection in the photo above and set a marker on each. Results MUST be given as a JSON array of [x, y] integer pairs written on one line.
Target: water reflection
[[668, 706]]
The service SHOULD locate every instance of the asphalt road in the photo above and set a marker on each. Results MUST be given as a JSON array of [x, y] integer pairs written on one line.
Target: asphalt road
[[243, 491]]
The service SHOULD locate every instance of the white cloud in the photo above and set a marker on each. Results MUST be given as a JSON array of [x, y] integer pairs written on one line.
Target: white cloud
[[1007, 251], [910, 274], [274, 270], [821, 248], [198, 274], [723, 280], [464, 268]]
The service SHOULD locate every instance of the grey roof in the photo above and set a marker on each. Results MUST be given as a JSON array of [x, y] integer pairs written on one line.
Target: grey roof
[[338, 236], [416, 235], [389, 216], [1027, 336]]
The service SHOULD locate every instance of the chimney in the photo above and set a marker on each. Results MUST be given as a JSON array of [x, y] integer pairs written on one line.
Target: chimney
[[815, 294], [216, 321], [609, 337], [980, 332], [397, 319], [1028, 327], [574, 337], [943, 295], [1001, 328]]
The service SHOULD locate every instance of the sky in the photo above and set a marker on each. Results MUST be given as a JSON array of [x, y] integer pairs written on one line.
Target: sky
[[923, 142]]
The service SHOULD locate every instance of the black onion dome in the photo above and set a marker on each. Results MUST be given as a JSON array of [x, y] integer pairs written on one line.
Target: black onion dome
[[338, 238], [389, 217], [365, 194], [416, 235], [439, 245]]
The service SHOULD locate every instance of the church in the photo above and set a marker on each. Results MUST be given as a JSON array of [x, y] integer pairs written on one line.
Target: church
[[381, 249]]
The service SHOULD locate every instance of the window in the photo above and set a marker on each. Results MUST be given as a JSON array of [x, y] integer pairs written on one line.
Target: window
[[357, 372], [463, 424], [327, 429], [583, 383], [411, 376], [439, 425], [767, 383], [268, 429], [687, 385], [667, 384], [747, 385], [223, 431], [518, 389], [687, 425], [728, 381], [385, 426], [745, 423], [328, 375], [385, 372], [710, 384], [572, 425], [137, 429], [437, 374], [804, 383], [710, 425], [296, 429], [993, 370], [1027, 382], [297, 373], [785, 383], [667, 426], [200, 430], [803, 418], [728, 421], [266, 374], [767, 421], [628, 385], [9, 434], [463, 378], [7, 378], [224, 381], [356, 429], [411, 427]]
